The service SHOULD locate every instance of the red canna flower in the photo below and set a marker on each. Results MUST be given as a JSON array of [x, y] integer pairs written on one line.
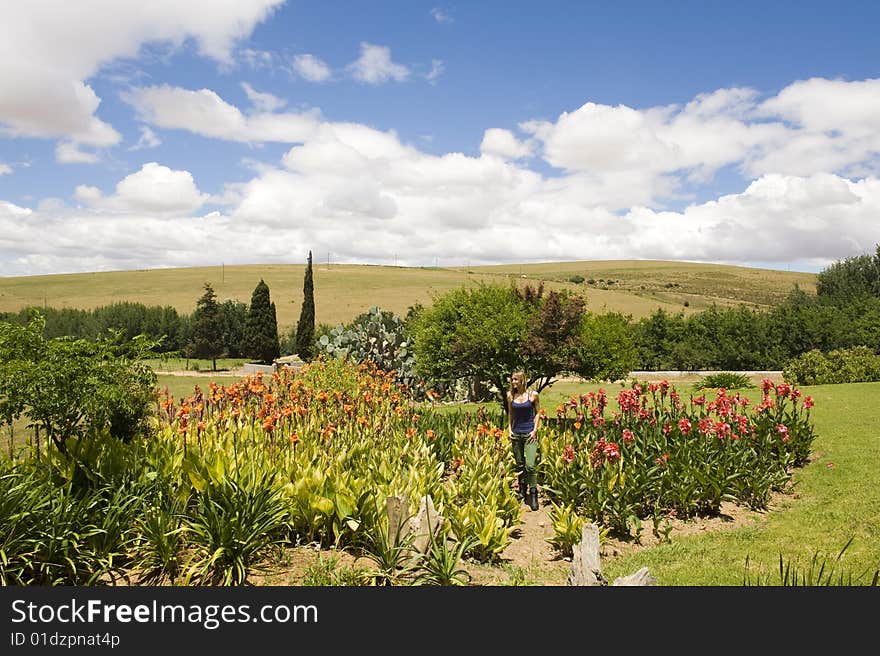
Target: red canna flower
[[782, 429], [684, 425], [568, 453]]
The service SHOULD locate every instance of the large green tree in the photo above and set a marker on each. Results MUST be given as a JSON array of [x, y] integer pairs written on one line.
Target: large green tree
[[849, 279], [489, 330], [207, 336], [261, 327], [74, 387], [305, 328], [234, 315]]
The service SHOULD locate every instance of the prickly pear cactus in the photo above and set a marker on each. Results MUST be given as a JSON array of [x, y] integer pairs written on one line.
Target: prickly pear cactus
[[378, 336]]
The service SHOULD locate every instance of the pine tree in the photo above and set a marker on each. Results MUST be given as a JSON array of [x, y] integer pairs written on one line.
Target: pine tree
[[207, 328], [305, 328], [261, 327]]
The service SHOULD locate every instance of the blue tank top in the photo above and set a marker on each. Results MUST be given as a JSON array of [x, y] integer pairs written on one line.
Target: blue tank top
[[523, 415]]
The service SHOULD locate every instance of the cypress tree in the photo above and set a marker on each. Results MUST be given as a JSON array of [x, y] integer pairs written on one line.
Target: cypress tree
[[261, 327], [305, 328], [207, 328]]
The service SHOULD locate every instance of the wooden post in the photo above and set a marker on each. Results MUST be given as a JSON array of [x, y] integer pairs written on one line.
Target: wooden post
[[426, 524], [397, 509], [586, 568]]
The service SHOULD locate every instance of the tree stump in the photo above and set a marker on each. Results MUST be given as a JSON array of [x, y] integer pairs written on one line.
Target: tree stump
[[426, 524], [586, 567], [397, 510], [420, 528]]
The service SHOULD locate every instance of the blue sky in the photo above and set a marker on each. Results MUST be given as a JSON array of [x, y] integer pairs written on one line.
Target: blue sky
[[155, 134]]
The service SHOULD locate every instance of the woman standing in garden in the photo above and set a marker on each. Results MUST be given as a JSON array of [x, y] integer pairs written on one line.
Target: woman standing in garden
[[522, 420]]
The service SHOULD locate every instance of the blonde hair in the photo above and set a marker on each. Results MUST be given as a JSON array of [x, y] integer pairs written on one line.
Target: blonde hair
[[519, 372]]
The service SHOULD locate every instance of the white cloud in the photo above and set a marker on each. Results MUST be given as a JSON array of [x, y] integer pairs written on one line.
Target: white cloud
[[834, 126], [48, 51], [262, 102], [616, 166], [441, 15], [155, 189], [204, 112], [5, 169], [416, 207], [503, 143], [257, 59], [148, 139], [68, 152], [374, 66], [310, 68], [437, 69]]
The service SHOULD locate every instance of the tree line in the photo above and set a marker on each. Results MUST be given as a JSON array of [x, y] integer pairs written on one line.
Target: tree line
[[215, 329], [496, 324]]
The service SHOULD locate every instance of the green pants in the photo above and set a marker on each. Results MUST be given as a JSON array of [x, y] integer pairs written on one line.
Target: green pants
[[525, 454]]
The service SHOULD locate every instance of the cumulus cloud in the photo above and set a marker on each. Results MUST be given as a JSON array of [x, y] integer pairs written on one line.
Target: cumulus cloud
[[48, 52], [834, 125], [615, 166], [503, 143], [262, 101], [310, 68], [155, 189], [204, 112], [417, 207], [374, 66], [68, 152]]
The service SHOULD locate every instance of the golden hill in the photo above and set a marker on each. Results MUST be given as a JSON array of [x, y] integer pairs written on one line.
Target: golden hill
[[342, 291]]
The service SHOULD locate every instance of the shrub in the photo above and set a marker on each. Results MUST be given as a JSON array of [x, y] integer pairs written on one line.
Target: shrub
[[858, 364], [726, 379], [576, 279]]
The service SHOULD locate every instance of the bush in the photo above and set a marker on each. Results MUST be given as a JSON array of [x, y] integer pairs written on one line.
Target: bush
[[726, 379], [858, 364], [576, 279]]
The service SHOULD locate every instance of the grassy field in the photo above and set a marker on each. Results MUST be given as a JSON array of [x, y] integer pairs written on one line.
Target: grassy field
[[344, 291]]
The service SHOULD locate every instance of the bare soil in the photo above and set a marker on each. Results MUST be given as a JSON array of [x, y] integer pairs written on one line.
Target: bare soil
[[529, 559]]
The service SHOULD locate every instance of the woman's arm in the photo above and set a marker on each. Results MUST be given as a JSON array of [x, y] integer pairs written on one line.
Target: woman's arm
[[509, 413]]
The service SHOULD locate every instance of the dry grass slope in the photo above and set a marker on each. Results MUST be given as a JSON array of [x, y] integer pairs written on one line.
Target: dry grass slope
[[343, 291]]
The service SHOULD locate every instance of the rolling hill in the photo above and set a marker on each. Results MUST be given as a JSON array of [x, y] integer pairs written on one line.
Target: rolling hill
[[342, 291]]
